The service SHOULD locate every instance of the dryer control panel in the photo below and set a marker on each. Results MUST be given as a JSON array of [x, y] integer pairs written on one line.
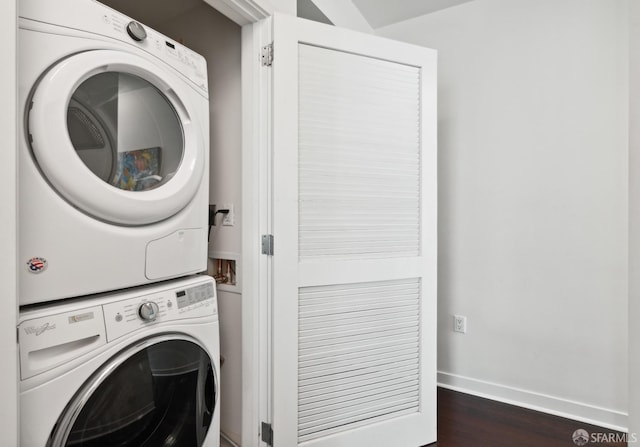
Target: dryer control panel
[[99, 20], [183, 59], [126, 316]]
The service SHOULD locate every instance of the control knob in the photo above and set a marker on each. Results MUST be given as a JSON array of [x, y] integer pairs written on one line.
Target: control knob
[[136, 31], [148, 311]]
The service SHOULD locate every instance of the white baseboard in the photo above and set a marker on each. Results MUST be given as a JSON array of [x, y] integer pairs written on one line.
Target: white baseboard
[[578, 411]]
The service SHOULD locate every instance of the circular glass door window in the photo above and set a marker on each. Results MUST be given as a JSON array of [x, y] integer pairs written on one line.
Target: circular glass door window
[[125, 131], [163, 395], [118, 136]]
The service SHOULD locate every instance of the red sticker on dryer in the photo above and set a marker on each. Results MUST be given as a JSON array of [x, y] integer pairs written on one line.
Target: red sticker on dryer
[[36, 265]]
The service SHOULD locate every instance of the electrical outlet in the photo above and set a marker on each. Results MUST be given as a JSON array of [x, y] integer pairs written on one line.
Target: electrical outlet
[[229, 219], [460, 324]]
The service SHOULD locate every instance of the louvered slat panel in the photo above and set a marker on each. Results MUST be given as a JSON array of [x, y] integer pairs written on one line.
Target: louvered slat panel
[[321, 393], [358, 355], [359, 157], [334, 409]]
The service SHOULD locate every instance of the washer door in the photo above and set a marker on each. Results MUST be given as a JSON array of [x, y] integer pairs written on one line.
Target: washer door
[[115, 136], [159, 393]]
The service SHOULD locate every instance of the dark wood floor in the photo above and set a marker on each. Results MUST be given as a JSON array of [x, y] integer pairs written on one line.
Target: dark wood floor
[[469, 421]]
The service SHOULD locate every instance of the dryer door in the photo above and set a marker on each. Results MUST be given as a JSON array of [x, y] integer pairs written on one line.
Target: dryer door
[[159, 393], [117, 137]]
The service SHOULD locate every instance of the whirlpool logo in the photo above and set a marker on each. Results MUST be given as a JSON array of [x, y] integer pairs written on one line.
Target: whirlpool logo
[[39, 330]]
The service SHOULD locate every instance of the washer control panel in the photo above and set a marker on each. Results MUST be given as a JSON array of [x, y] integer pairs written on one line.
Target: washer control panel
[[148, 311], [128, 315]]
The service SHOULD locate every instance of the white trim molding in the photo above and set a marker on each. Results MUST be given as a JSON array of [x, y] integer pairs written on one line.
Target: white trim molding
[[557, 406], [243, 12]]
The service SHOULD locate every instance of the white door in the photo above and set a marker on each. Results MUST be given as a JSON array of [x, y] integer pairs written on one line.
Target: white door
[[354, 223]]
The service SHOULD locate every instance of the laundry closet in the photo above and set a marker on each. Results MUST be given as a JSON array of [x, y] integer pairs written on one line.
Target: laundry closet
[[322, 199]]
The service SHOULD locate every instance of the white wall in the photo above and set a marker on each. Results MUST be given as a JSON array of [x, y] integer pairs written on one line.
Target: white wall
[[343, 13], [8, 273], [533, 117], [634, 218]]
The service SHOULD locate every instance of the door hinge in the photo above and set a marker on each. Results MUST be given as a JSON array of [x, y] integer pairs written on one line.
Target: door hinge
[[267, 433], [267, 244], [267, 55]]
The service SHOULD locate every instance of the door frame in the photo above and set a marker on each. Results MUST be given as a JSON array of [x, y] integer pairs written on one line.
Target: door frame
[[256, 211], [243, 12]]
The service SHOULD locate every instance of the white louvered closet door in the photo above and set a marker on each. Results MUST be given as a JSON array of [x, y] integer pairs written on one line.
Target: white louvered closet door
[[354, 223]]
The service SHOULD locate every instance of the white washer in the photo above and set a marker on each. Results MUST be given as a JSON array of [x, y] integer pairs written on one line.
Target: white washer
[[113, 163], [134, 369]]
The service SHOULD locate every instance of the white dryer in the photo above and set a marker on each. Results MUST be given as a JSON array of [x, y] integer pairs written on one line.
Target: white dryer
[[134, 369], [113, 163]]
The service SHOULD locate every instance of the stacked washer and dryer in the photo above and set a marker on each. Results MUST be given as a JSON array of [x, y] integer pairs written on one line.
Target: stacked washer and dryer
[[118, 334]]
